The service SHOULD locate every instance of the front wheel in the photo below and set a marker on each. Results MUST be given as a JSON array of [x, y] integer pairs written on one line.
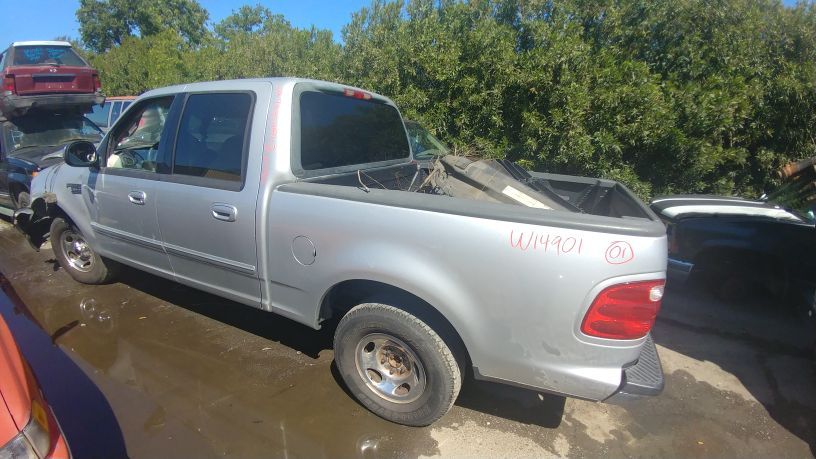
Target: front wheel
[[396, 365], [77, 257]]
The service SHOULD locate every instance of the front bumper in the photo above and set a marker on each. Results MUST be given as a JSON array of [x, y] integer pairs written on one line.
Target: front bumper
[[644, 378], [14, 105]]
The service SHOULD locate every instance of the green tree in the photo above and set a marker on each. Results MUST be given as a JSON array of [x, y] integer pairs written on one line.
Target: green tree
[[664, 95], [104, 24]]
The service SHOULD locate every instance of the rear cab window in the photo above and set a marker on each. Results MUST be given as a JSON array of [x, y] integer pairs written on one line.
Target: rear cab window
[[341, 131]]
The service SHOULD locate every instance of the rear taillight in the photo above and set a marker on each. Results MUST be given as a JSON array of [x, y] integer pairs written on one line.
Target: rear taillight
[[9, 86], [97, 85], [624, 311]]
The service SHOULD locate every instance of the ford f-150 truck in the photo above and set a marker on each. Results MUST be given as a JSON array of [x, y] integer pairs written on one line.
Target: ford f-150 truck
[[302, 198]]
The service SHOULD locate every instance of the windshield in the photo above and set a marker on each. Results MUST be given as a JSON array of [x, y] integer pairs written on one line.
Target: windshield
[[45, 55], [423, 143], [53, 130]]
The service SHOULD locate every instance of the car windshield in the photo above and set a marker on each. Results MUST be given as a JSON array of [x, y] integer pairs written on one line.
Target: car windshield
[[52, 130], [45, 55], [423, 143]]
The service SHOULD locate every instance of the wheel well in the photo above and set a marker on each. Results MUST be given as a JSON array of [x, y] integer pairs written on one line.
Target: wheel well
[[16, 188], [345, 295]]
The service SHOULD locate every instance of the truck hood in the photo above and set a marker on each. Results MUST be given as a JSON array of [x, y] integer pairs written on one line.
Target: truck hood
[[682, 206]]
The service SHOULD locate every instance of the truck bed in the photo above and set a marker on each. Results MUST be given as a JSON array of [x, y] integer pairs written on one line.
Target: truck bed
[[573, 194]]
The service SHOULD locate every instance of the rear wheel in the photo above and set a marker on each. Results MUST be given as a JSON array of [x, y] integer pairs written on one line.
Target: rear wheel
[[77, 257], [396, 365]]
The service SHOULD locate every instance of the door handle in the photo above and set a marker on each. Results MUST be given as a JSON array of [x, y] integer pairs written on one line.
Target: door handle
[[224, 212], [137, 197]]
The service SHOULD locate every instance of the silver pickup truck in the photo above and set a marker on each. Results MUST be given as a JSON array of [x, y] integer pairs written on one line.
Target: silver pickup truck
[[301, 198]]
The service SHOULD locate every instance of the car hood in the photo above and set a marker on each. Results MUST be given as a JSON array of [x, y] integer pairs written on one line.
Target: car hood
[[41, 156], [680, 206]]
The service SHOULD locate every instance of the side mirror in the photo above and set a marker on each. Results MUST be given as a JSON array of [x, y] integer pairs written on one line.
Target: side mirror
[[80, 154]]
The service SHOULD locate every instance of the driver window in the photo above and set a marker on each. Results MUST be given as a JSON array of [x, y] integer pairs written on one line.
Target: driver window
[[136, 140]]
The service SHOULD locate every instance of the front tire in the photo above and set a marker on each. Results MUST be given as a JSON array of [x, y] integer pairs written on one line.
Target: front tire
[[77, 257], [396, 365]]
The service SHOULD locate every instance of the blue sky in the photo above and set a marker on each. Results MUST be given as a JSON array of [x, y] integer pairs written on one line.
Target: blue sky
[[46, 19]]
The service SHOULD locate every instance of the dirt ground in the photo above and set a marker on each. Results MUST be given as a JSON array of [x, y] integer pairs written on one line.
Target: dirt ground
[[148, 368]]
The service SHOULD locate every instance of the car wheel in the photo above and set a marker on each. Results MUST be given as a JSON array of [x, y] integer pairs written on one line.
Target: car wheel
[[77, 257], [22, 200], [396, 365]]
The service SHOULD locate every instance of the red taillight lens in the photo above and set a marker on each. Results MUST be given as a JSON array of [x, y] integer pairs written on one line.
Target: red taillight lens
[[624, 311], [97, 85], [8, 84], [356, 94]]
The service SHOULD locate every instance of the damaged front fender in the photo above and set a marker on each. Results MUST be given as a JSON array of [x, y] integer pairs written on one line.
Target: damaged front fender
[[34, 222]]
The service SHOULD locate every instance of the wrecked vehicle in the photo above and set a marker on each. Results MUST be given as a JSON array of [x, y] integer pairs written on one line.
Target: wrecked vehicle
[[46, 75], [301, 197], [29, 144]]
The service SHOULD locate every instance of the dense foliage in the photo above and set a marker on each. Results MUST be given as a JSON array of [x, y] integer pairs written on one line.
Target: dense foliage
[[664, 95]]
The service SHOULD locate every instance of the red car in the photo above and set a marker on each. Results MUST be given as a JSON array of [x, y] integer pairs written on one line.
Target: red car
[[48, 75], [28, 428]]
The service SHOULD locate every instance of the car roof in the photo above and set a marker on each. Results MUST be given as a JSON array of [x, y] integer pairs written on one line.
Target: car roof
[[41, 43]]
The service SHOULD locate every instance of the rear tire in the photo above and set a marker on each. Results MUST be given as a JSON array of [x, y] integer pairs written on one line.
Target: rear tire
[[396, 365], [77, 257]]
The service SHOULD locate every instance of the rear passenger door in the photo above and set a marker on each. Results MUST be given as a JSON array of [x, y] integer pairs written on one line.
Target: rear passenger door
[[206, 206]]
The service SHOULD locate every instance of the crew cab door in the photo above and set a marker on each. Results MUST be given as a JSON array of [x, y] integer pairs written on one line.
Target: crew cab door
[[206, 206], [123, 208]]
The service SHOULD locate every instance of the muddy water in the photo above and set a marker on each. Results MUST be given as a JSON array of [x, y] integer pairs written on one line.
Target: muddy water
[[149, 368]]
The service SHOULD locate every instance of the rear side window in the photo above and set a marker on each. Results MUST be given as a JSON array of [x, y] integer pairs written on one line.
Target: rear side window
[[212, 135], [35, 55], [340, 131]]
